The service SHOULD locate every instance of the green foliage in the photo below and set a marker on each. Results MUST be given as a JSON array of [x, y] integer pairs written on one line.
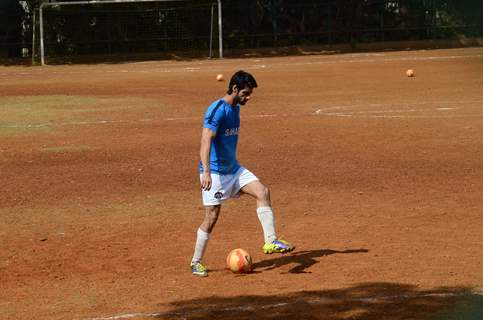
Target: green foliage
[[10, 28]]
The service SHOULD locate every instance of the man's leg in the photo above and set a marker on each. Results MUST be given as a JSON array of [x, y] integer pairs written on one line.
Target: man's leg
[[265, 214], [202, 237]]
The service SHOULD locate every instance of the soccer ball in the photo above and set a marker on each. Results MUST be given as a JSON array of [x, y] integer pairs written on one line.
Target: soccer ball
[[239, 261], [410, 73]]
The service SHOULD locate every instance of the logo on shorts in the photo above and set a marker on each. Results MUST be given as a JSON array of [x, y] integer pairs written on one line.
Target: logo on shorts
[[219, 195]]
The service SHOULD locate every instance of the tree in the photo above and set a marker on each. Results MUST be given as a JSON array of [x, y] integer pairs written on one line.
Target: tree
[[11, 13]]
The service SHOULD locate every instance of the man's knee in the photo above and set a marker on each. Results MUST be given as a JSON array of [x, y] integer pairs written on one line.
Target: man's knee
[[263, 194], [212, 213]]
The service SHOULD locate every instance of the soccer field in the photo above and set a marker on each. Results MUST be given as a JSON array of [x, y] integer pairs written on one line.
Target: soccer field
[[375, 177]]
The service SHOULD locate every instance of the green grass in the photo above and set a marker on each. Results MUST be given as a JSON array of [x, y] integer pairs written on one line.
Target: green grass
[[42, 109], [34, 114], [67, 149], [23, 114], [11, 131], [469, 307]]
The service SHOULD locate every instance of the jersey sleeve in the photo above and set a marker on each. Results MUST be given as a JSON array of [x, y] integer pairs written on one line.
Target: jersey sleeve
[[214, 117]]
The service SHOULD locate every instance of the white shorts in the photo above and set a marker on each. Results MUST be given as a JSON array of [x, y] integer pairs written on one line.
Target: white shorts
[[224, 187]]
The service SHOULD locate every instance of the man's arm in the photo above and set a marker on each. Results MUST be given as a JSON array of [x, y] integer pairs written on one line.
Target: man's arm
[[206, 136]]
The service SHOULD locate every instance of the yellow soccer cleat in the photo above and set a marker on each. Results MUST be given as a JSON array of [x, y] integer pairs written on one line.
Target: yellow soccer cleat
[[277, 246], [198, 269]]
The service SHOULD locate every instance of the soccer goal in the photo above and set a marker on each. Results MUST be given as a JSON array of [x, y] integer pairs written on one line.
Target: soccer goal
[[130, 27]]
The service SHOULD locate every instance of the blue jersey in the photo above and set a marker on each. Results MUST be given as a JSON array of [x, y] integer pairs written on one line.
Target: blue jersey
[[224, 120]]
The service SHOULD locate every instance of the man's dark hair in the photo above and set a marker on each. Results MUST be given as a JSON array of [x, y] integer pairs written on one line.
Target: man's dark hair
[[242, 80]]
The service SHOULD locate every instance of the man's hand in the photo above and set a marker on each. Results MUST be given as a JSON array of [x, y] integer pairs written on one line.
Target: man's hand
[[206, 181]]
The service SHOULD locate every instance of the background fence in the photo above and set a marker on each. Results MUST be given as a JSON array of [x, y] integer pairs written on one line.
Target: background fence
[[184, 28], [285, 23], [129, 28]]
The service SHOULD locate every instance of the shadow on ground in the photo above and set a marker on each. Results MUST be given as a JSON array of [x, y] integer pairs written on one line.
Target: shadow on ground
[[302, 259], [374, 301]]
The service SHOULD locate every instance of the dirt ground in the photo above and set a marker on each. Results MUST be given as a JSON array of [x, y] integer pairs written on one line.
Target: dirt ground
[[377, 178]]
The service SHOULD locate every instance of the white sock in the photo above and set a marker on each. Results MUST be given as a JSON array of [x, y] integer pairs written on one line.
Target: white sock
[[265, 215], [200, 246]]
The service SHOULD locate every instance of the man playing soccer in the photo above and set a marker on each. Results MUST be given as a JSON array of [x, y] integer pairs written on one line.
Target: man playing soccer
[[221, 175]]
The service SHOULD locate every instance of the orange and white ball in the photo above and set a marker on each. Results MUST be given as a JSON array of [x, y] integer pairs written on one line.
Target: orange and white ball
[[410, 73], [239, 261], [219, 77]]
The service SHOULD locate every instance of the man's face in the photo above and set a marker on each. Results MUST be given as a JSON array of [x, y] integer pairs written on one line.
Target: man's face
[[242, 96]]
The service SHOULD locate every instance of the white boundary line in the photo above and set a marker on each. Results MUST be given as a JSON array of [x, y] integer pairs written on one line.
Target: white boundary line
[[440, 107], [403, 116], [327, 59], [76, 123], [335, 111], [319, 112], [373, 299]]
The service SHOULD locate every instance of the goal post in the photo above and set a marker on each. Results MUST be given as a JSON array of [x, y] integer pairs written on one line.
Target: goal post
[[99, 27]]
